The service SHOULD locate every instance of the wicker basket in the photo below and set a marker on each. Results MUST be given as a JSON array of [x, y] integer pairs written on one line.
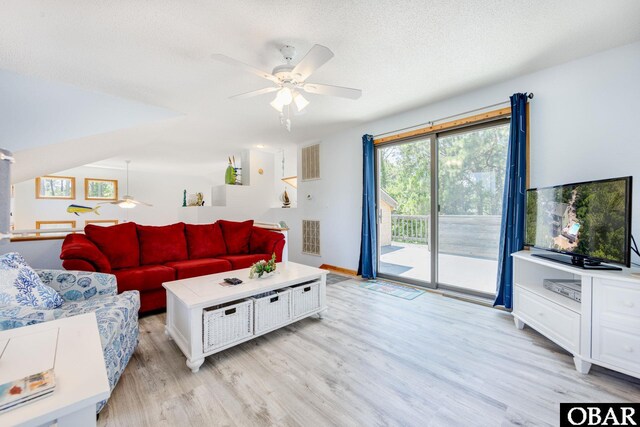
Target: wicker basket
[[223, 325], [306, 298], [271, 310]]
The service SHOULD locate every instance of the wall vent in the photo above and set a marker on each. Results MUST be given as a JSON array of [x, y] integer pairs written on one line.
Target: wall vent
[[310, 237], [311, 162]]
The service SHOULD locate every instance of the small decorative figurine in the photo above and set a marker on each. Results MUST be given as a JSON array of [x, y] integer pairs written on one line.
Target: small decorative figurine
[[184, 199], [230, 174], [286, 203]]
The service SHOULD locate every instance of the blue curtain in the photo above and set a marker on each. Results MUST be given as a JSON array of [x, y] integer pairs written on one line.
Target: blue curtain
[[513, 200], [367, 265]]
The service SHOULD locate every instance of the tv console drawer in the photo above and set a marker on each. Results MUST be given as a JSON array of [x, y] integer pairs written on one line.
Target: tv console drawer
[[617, 347], [554, 321], [616, 302]]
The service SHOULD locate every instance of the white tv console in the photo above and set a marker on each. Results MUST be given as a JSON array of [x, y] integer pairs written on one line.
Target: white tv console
[[604, 328]]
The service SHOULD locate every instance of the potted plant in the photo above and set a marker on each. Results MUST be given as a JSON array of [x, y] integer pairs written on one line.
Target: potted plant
[[263, 267]]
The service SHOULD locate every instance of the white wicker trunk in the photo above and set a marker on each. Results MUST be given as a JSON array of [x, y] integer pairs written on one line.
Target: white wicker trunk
[[227, 324], [272, 310], [306, 298]]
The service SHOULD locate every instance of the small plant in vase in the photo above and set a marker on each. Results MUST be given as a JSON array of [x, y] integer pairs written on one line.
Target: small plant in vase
[[263, 267]]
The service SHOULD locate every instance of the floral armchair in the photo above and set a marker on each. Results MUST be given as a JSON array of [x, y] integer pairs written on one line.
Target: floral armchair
[[85, 292]]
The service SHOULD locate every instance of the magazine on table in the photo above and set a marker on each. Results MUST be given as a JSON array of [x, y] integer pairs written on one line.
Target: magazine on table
[[25, 390]]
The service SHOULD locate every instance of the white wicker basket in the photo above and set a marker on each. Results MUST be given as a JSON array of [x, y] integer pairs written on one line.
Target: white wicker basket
[[271, 310], [227, 324], [306, 298]]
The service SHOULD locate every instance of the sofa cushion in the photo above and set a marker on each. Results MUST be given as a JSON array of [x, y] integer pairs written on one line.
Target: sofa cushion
[[162, 244], [245, 261], [144, 278], [21, 285], [119, 243], [78, 247], [199, 267], [236, 236], [264, 241], [205, 241]]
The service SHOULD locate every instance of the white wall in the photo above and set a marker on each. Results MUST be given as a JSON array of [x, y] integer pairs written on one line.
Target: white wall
[[583, 126], [163, 191]]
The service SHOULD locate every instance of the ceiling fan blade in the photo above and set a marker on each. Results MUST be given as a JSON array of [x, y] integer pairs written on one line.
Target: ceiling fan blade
[[254, 93], [138, 202], [314, 59], [343, 92], [246, 67]]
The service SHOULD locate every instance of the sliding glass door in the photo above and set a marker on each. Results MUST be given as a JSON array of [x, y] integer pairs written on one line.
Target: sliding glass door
[[471, 170], [404, 210], [443, 231]]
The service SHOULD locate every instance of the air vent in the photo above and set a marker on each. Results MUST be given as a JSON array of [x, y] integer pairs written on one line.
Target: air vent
[[311, 162], [311, 237]]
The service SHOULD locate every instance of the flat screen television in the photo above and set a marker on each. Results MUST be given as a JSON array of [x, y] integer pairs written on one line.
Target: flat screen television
[[584, 223]]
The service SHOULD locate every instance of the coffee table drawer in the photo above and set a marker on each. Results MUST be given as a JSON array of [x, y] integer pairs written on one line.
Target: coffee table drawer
[[306, 298], [272, 310], [226, 325]]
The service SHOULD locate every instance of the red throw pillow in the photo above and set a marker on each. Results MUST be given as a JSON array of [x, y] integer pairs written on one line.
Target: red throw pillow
[[263, 241], [236, 236], [119, 243], [205, 241], [162, 244]]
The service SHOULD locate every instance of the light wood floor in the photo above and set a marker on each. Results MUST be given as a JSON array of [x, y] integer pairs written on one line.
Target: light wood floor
[[373, 360]]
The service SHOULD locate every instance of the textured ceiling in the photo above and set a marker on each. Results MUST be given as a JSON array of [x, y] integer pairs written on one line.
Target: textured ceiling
[[402, 54]]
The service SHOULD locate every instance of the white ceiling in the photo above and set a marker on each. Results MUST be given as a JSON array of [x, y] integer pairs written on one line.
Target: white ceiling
[[402, 54]]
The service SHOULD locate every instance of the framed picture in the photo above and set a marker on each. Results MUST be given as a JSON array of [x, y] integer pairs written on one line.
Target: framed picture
[[55, 187], [101, 222], [53, 225], [100, 189]]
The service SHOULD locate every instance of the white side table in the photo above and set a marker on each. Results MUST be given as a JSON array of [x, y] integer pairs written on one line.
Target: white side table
[[80, 372]]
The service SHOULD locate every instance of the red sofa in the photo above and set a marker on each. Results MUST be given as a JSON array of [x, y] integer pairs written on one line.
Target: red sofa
[[142, 257]]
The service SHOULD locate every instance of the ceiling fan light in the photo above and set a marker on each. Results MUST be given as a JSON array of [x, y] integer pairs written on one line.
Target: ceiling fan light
[[285, 96], [301, 102], [126, 204], [277, 104]]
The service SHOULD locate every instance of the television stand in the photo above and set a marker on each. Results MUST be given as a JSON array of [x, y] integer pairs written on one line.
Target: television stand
[[603, 328], [577, 261]]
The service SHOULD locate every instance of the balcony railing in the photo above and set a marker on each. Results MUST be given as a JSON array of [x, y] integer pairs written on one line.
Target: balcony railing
[[410, 228], [467, 235]]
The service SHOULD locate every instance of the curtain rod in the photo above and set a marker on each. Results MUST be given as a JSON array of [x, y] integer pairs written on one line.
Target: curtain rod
[[432, 122]]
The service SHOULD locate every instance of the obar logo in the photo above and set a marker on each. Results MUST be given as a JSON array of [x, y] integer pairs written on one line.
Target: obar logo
[[599, 414]]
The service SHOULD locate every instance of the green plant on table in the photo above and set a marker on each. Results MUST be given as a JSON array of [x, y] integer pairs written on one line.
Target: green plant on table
[[261, 267]]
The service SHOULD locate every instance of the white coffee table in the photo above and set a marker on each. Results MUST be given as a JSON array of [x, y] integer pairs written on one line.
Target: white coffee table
[[187, 299], [80, 373]]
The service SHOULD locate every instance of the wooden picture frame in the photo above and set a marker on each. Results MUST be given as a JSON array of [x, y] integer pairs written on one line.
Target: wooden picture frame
[[103, 222], [87, 187], [48, 225], [64, 181]]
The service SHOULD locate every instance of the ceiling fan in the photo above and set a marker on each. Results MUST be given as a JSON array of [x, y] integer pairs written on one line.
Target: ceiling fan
[[127, 201], [289, 80]]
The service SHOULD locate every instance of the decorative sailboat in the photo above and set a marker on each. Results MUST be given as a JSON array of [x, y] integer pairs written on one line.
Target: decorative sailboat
[[286, 203]]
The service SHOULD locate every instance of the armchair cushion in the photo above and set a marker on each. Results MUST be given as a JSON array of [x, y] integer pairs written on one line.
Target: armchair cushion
[[205, 241], [20, 285], [236, 236], [78, 247], [119, 243], [162, 244], [79, 285], [16, 316]]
